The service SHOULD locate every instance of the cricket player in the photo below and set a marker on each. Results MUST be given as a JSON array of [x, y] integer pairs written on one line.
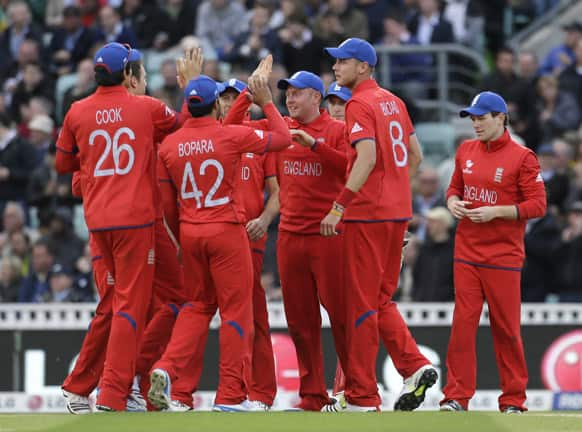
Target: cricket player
[[496, 187], [202, 162], [311, 173], [336, 98], [109, 137], [375, 206]]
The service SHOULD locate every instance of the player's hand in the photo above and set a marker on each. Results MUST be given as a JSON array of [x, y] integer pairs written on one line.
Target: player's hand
[[264, 68], [459, 208], [328, 225], [189, 66], [302, 138], [259, 86], [256, 228], [481, 214]]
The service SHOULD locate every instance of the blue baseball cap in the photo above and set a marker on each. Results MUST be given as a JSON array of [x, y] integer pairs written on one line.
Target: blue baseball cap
[[485, 102], [135, 55], [234, 84], [301, 80], [335, 89], [355, 48], [201, 91], [112, 56]]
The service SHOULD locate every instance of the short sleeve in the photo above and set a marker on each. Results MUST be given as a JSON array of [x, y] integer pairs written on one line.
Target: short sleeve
[[164, 118], [251, 140], [66, 141], [360, 122]]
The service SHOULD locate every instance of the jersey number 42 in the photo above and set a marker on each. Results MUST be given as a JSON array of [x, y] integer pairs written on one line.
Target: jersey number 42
[[189, 182]]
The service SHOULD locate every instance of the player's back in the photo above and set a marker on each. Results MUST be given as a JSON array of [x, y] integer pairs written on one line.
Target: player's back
[[114, 134], [375, 113]]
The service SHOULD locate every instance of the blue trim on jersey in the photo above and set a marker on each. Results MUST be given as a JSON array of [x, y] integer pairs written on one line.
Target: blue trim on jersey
[[489, 266], [269, 176], [362, 317], [175, 309], [97, 257], [269, 137], [66, 151], [122, 227], [165, 180], [187, 305], [353, 143], [237, 327], [257, 250], [129, 318], [376, 220], [517, 210]]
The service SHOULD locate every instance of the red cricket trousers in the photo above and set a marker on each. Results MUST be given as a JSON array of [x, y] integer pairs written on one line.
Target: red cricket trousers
[[501, 289], [309, 268], [129, 257], [217, 262], [89, 366], [370, 272]]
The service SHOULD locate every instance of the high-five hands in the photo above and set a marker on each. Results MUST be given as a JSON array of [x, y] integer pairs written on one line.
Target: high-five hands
[[189, 66]]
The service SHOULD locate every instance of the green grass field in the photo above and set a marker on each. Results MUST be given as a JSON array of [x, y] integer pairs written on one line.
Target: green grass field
[[281, 421]]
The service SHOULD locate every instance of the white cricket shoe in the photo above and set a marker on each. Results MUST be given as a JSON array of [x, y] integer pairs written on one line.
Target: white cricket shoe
[[160, 389], [415, 387], [244, 406], [340, 404], [256, 405], [178, 406], [77, 404]]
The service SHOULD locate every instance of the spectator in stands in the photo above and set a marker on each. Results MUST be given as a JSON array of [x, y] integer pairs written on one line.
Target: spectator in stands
[[570, 256], [563, 55], [571, 78], [433, 269], [429, 26], [146, 19], [558, 110], [468, 21], [169, 92], [180, 17], [84, 281], [112, 29], [35, 285], [428, 195], [340, 20], [13, 221], [220, 22], [19, 246], [539, 273], [258, 41], [71, 42], [10, 279], [557, 183], [526, 125], [17, 160], [36, 106], [34, 83], [301, 48], [375, 11], [11, 70], [84, 86], [61, 238], [20, 29], [528, 67], [41, 135], [61, 285]]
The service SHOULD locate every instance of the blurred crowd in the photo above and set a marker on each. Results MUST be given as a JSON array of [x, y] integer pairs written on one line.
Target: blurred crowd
[[46, 49]]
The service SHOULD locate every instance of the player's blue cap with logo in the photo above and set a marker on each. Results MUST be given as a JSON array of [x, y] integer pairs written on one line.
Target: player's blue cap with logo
[[113, 57], [357, 48], [335, 89], [232, 83], [201, 91], [485, 102], [135, 55], [301, 80]]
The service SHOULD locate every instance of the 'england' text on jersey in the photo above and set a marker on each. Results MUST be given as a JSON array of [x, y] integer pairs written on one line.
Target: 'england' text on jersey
[[389, 108], [301, 168], [476, 193], [195, 147]]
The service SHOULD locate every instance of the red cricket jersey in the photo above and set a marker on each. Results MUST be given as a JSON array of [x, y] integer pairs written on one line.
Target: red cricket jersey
[[309, 180], [112, 131], [376, 114], [203, 162], [500, 172]]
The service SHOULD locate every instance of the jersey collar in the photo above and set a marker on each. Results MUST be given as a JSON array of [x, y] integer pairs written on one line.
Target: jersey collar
[[118, 89], [500, 142], [193, 122], [318, 124], [368, 84]]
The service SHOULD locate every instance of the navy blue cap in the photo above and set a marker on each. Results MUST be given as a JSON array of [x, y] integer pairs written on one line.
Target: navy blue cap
[[113, 57], [355, 48], [301, 80], [135, 55], [201, 91], [485, 102], [234, 84], [335, 89]]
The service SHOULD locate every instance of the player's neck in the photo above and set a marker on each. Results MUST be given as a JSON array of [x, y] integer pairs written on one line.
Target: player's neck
[[360, 79], [496, 136], [309, 117]]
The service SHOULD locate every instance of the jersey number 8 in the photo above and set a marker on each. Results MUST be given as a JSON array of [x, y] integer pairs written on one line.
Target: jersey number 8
[[112, 145], [396, 136], [189, 179]]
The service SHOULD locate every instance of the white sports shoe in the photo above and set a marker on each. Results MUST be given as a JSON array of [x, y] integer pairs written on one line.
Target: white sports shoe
[[135, 401], [256, 405], [244, 406], [341, 405], [178, 406], [415, 387], [160, 389], [77, 404]]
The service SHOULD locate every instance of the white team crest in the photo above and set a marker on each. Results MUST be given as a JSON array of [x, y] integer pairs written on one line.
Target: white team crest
[[232, 82], [468, 165], [260, 133], [151, 257], [110, 280], [337, 88], [193, 92], [498, 175], [250, 155], [356, 128], [100, 60]]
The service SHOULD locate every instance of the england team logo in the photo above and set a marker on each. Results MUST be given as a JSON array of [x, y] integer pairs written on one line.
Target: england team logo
[[498, 175], [468, 165]]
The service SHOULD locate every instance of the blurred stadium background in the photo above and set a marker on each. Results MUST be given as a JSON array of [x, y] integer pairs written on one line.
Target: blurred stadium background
[[435, 54]]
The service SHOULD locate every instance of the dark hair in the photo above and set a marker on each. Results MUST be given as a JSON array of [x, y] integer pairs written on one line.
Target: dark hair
[[105, 79], [505, 50], [135, 68], [201, 111], [5, 120], [45, 243], [506, 121]]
